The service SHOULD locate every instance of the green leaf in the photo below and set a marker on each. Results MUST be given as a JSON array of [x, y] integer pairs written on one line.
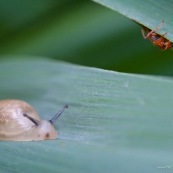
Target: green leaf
[[148, 13], [115, 122]]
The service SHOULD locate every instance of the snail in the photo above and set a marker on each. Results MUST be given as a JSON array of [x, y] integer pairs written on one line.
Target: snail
[[20, 122]]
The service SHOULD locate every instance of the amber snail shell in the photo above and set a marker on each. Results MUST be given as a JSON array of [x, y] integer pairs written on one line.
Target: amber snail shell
[[20, 122]]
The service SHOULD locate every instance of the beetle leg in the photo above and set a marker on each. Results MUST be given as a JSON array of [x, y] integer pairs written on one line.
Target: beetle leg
[[148, 35], [159, 26], [163, 35], [154, 30], [168, 45], [143, 33]]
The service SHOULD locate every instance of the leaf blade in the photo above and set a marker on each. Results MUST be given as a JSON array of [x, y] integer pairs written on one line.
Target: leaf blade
[[115, 121]]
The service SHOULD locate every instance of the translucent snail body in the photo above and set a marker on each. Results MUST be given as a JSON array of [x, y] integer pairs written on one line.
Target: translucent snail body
[[20, 122]]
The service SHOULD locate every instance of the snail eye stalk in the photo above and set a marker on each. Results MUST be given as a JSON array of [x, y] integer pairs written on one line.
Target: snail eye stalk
[[54, 119]]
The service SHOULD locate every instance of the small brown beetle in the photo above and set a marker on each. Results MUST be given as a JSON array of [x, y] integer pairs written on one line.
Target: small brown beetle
[[156, 39]]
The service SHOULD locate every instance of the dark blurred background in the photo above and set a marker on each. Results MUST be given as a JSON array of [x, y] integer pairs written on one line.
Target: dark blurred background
[[81, 32]]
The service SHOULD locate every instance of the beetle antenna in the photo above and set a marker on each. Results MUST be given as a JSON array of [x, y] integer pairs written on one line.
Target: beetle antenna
[[54, 119], [36, 122]]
